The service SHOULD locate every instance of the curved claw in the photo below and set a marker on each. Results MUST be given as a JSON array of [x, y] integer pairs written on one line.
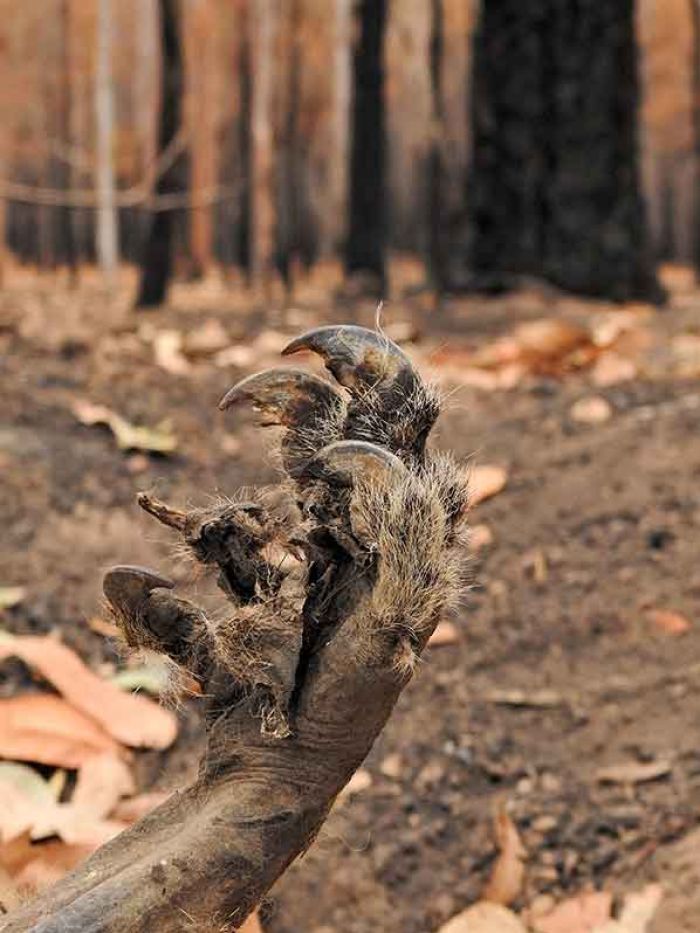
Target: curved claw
[[284, 396], [342, 463], [127, 587], [355, 355]]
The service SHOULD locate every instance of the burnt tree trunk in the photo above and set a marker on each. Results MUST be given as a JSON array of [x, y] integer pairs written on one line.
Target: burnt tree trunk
[[554, 188], [156, 266], [365, 248]]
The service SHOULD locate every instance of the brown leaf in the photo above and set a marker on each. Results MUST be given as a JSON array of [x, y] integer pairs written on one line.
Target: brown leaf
[[102, 782], [611, 368], [252, 924], [637, 912], [11, 596], [133, 720], [580, 914], [485, 481], [549, 339], [128, 436], [634, 772], [45, 863], [46, 729], [508, 871], [672, 623], [9, 895], [484, 917], [446, 633], [167, 350], [593, 409]]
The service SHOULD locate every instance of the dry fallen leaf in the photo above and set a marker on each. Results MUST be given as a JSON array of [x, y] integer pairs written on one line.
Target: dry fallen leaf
[[672, 623], [252, 924], [11, 596], [537, 699], [634, 772], [44, 728], [359, 782], [133, 720], [102, 782], [484, 917], [593, 409], [612, 368], [210, 338], [167, 350], [485, 481], [637, 912], [43, 864], [9, 895], [159, 440], [446, 633], [508, 871], [580, 914]]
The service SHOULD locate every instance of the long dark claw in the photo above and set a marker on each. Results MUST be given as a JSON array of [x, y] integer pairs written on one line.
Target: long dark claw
[[342, 463], [127, 587], [284, 396], [356, 356]]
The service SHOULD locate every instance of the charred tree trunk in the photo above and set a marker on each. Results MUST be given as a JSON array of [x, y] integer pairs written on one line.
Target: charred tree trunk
[[156, 267], [366, 242], [554, 189]]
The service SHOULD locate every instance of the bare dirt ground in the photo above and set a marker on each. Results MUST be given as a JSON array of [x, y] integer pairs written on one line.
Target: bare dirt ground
[[558, 671]]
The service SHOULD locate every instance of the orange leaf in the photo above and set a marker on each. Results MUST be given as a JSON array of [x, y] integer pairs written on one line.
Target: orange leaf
[[445, 634], [580, 914], [484, 917], [672, 623], [508, 871], [252, 924], [133, 720], [46, 729], [485, 481]]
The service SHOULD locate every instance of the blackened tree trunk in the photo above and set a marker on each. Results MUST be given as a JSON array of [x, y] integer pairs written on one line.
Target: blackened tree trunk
[[156, 266], [365, 248], [554, 189]]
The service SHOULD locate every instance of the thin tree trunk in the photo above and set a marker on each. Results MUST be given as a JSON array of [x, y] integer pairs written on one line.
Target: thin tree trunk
[[107, 244], [695, 103], [202, 146], [436, 219], [262, 209], [366, 243], [341, 95], [65, 223], [554, 187], [157, 263], [290, 195]]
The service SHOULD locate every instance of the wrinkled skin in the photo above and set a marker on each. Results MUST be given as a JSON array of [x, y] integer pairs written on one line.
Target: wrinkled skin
[[333, 597]]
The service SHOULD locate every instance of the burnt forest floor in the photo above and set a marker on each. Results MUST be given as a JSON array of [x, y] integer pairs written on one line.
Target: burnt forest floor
[[557, 671]]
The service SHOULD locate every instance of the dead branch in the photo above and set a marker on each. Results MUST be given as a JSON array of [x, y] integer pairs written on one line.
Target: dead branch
[[334, 589]]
